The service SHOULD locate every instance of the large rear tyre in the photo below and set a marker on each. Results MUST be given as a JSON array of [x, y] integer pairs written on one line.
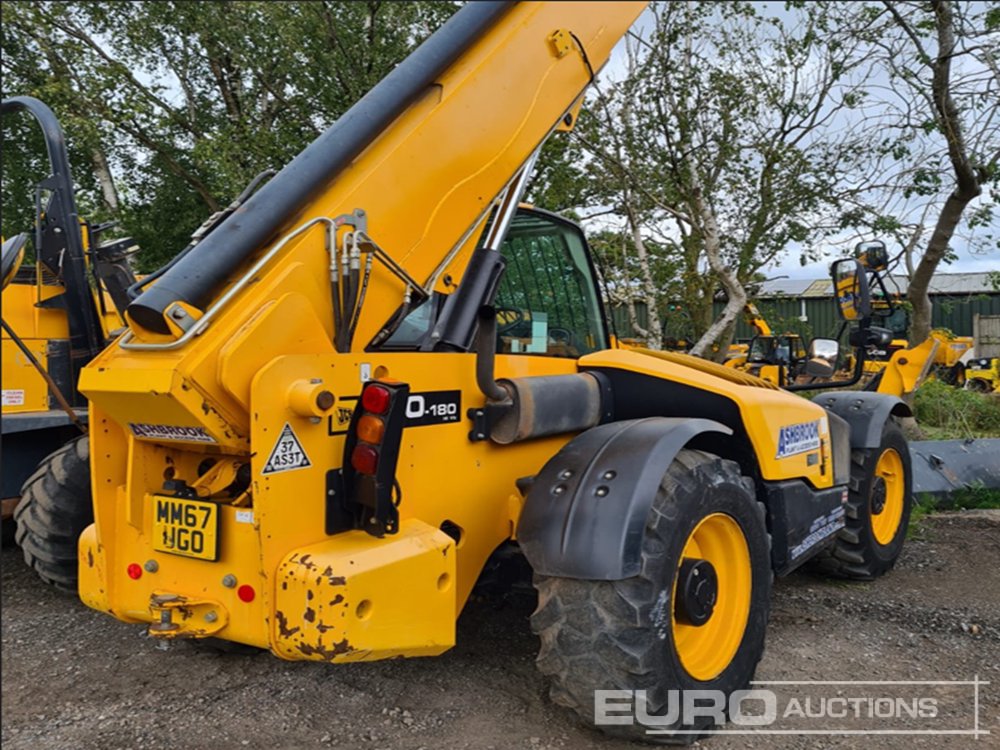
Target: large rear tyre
[[54, 510], [878, 509], [694, 618]]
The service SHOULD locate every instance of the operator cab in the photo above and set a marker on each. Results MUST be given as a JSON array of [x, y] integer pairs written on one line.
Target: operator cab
[[547, 301]]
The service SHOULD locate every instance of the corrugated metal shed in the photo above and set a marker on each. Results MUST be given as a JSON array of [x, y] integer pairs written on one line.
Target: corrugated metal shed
[[943, 283], [805, 306]]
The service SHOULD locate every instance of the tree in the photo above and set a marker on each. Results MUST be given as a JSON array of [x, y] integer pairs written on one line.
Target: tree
[[184, 102], [939, 126], [723, 140]]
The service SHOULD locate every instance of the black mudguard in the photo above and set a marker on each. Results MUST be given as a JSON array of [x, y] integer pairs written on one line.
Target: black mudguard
[[865, 412], [585, 512]]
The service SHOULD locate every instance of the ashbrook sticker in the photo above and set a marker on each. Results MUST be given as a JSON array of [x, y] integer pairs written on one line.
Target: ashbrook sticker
[[798, 438], [170, 432]]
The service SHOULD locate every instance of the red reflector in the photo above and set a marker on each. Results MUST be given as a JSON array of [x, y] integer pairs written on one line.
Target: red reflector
[[376, 399], [134, 571], [246, 593], [364, 459]]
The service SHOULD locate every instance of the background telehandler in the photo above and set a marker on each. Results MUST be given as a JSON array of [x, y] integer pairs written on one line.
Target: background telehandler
[[57, 315], [326, 417]]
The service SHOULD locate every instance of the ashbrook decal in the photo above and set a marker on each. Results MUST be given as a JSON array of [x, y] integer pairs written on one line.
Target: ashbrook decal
[[170, 432], [798, 438]]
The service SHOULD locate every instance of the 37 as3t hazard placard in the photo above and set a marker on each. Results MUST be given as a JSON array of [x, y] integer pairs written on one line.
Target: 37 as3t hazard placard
[[287, 453]]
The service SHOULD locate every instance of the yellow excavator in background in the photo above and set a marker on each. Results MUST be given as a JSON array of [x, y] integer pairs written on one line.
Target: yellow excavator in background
[[326, 417]]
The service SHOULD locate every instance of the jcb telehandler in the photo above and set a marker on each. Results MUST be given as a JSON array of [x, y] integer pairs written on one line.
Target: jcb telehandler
[[57, 315], [326, 417], [778, 359]]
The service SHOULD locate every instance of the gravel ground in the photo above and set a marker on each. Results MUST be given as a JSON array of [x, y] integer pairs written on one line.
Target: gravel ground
[[73, 678]]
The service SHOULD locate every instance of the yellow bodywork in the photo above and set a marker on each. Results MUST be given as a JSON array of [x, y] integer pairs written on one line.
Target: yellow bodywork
[[229, 394], [24, 388], [906, 368]]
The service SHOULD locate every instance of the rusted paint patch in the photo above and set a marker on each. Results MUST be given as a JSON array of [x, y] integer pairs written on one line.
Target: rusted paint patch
[[337, 581], [337, 599], [90, 558], [309, 615], [283, 629], [309, 595], [322, 627], [327, 654]]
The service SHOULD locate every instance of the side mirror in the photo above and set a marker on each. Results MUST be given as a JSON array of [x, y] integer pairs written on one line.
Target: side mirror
[[850, 284], [822, 362], [872, 255]]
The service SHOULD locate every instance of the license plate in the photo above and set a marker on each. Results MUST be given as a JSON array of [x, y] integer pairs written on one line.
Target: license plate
[[186, 527]]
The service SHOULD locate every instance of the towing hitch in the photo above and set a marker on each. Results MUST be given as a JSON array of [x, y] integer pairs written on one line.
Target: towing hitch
[[176, 616]]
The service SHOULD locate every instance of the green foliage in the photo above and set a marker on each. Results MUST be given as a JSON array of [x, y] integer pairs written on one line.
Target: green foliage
[[188, 101], [945, 412]]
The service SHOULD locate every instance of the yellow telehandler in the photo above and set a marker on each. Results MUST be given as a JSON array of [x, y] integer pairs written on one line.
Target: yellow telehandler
[[58, 313], [776, 358], [325, 418]]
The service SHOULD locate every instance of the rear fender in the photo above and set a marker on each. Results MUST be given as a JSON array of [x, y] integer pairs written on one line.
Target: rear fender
[[585, 511]]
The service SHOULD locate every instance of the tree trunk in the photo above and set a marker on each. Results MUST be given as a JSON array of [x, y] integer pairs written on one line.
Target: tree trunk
[[653, 332], [937, 248], [967, 179], [713, 250], [105, 180]]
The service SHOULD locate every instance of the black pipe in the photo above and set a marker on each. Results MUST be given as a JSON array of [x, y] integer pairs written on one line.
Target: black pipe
[[195, 277], [486, 349]]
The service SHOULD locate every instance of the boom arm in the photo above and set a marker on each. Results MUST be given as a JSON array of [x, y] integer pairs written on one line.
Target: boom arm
[[755, 320], [424, 152]]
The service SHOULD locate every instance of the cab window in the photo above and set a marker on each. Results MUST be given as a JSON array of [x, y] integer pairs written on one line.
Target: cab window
[[547, 302]]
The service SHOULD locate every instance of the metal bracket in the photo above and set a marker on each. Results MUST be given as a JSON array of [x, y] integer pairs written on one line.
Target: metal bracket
[[483, 418], [180, 317]]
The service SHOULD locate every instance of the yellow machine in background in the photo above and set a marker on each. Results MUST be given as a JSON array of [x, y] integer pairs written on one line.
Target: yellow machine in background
[[983, 374], [57, 315], [778, 359], [326, 417]]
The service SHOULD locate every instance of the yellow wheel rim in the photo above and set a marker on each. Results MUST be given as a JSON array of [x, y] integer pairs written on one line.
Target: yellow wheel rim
[[706, 650], [885, 519]]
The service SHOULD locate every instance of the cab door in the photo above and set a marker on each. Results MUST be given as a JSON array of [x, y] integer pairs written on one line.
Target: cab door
[[548, 304]]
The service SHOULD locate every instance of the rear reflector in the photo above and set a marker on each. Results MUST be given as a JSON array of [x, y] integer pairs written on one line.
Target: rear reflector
[[364, 459]]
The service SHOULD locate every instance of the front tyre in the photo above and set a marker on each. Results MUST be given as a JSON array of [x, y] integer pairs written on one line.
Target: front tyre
[[693, 619], [878, 509]]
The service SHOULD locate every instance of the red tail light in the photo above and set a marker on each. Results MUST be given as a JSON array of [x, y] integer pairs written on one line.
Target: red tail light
[[364, 459], [376, 399]]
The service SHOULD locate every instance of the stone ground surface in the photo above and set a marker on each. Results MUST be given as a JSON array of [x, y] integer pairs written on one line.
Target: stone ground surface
[[74, 678]]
